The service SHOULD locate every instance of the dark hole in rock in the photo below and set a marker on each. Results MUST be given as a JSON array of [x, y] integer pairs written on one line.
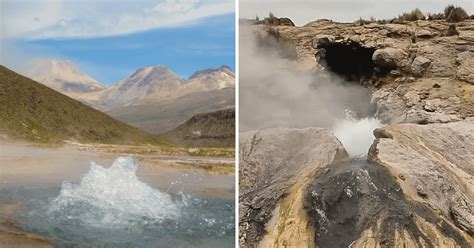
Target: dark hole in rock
[[351, 60]]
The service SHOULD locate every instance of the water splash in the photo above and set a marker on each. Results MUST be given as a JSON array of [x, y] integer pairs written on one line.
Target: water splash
[[112, 197], [356, 135]]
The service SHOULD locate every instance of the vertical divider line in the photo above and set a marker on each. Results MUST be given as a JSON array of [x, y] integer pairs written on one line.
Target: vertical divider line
[[236, 123]]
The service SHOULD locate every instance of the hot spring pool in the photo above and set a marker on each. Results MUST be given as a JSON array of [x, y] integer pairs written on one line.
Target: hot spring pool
[[112, 207]]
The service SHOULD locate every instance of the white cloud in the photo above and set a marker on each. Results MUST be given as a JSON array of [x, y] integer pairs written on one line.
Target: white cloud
[[30, 19], [175, 6]]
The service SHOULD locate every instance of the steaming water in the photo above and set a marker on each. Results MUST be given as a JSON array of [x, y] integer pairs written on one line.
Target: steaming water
[[111, 207], [356, 135]]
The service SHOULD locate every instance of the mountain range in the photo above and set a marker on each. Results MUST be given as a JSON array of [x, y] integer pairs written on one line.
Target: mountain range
[[154, 98]]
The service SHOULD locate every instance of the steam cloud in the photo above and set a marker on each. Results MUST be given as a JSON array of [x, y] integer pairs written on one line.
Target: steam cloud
[[278, 92]]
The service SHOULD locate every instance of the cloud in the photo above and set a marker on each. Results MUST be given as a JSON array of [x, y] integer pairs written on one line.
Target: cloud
[[34, 20], [175, 6]]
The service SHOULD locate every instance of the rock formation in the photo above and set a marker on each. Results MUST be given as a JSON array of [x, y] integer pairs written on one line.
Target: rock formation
[[434, 164], [424, 80], [416, 189], [276, 165]]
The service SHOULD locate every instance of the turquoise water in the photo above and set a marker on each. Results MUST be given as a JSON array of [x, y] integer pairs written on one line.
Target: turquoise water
[[112, 207]]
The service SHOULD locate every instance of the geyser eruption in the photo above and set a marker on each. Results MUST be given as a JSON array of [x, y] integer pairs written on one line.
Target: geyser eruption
[[112, 197], [356, 134]]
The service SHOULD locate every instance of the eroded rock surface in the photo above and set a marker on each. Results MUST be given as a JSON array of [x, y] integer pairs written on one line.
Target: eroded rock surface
[[434, 164], [275, 167], [406, 57], [359, 204]]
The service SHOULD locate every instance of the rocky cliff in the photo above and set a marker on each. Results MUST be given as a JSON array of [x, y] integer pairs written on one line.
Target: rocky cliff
[[419, 71]]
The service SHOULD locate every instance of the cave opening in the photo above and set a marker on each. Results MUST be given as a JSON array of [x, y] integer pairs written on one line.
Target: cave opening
[[351, 61]]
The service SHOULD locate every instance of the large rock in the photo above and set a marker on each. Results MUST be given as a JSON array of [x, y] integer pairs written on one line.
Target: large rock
[[276, 166], [434, 164], [389, 57], [360, 204], [424, 100], [466, 66], [419, 65]]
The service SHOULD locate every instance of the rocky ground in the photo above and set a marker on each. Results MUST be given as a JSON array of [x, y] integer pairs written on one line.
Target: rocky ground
[[415, 189]]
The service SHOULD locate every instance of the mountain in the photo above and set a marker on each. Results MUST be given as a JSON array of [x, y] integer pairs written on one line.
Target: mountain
[[157, 84], [63, 76], [147, 84], [163, 116], [206, 72], [32, 111], [213, 129], [210, 79]]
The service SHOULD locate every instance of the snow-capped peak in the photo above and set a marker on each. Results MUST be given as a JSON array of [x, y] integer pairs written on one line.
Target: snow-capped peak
[[62, 75]]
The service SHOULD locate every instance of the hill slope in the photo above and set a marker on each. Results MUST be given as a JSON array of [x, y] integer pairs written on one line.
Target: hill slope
[[32, 111], [163, 116], [214, 129]]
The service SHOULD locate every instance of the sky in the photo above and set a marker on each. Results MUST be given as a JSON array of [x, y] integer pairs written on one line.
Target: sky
[[109, 40], [304, 11]]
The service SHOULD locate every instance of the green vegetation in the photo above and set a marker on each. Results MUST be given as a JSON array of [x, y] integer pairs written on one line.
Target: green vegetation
[[455, 14], [414, 15], [213, 129], [34, 112], [452, 30], [450, 14], [212, 152]]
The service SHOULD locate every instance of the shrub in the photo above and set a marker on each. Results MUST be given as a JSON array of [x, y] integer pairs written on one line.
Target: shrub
[[452, 30], [455, 14], [414, 15], [438, 16]]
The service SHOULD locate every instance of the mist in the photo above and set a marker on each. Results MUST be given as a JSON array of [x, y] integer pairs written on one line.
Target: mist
[[276, 91]]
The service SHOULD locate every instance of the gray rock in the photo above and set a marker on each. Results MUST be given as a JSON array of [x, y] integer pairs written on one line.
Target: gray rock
[[419, 65], [389, 57], [271, 162], [440, 161], [322, 40], [465, 70]]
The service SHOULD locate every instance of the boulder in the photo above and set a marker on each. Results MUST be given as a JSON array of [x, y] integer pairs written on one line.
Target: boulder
[[437, 161], [424, 34], [322, 40], [276, 166], [389, 57], [419, 65]]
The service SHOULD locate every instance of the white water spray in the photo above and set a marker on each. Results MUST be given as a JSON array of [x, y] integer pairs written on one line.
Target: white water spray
[[113, 197], [356, 135]]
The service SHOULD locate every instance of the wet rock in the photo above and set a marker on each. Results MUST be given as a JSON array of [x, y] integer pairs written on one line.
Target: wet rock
[[389, 57], [359, 204], [440, 161], [275, 168]]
